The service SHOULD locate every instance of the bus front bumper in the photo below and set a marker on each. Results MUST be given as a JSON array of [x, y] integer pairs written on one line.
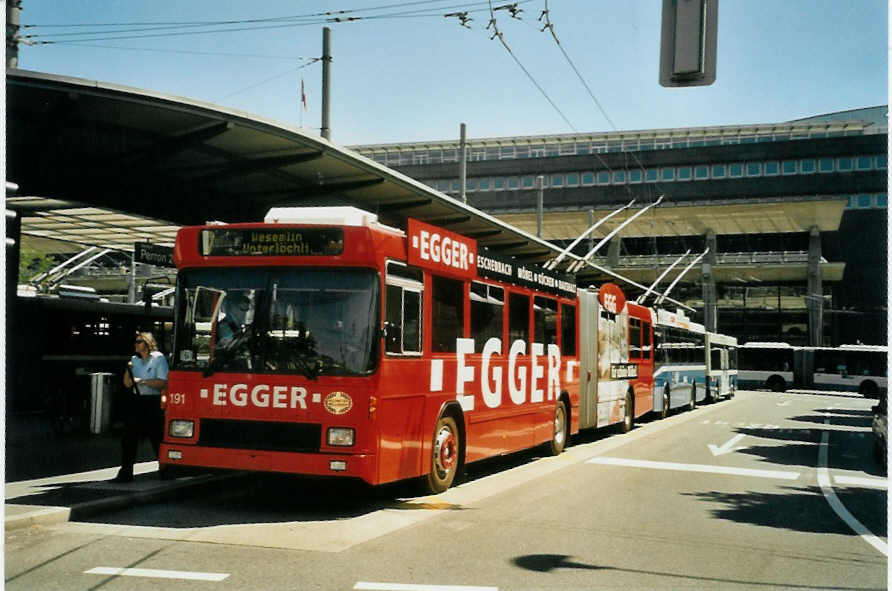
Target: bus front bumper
[[362, 466]]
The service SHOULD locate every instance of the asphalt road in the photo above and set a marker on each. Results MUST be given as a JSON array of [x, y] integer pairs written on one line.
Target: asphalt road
[[763, 491]]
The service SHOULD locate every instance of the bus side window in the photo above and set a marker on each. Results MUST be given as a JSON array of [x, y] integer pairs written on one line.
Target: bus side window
[[518, 318], [487, 303], [645, 340], [448, 313], [568, 330], [634, 338], [544, 320], [403, 325]]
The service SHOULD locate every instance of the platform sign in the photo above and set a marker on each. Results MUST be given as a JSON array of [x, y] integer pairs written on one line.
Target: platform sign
[[153, 254]]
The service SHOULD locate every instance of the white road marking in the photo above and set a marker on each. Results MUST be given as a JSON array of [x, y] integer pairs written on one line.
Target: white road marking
[[861, 481], [836, 504], [155, 573], [727, 447], [780, 474], [413, 587]]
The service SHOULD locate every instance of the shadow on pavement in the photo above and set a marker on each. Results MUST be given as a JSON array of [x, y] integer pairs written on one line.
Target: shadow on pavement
[[801, 509]]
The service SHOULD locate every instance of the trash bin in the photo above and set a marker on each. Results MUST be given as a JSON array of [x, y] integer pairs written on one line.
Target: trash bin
[[101, 394]]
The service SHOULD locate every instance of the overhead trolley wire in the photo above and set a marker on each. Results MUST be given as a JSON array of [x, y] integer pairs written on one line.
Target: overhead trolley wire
[[549, 26], [498, 34]]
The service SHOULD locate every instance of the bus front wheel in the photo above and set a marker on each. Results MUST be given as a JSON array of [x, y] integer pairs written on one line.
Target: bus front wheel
[[665, 411], [444, 456]]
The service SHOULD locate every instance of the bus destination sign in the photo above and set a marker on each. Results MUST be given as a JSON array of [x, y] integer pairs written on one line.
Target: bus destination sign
[[272, 242]]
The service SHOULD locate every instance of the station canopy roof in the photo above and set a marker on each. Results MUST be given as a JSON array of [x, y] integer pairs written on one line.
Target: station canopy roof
[[106, 165]]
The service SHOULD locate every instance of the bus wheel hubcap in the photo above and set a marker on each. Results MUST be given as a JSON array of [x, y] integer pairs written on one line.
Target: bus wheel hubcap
[[444, 453]]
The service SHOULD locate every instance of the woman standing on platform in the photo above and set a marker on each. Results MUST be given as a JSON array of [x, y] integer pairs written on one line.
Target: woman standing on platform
[[145, 377]]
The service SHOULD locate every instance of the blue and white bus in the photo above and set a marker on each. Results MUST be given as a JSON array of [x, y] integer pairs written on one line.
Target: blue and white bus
[[680, 362], [721, 366]]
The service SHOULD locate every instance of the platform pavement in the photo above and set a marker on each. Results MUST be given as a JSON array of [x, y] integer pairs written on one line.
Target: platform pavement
[[54, 476]]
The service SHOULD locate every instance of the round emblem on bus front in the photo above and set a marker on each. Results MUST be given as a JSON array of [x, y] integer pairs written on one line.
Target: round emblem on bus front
[[338, 403]]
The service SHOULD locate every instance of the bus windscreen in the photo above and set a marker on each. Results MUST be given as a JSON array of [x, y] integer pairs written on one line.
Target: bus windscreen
[[292, 321]]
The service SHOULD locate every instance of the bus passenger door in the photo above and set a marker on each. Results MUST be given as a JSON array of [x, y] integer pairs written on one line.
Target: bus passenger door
[[588, 359]]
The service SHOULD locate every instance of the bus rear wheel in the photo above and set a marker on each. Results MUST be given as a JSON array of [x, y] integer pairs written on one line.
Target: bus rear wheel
[[776, 384], [444, 456], [559, 438]]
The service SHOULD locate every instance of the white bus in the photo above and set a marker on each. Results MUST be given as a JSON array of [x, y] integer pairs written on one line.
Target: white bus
[[779, 366]]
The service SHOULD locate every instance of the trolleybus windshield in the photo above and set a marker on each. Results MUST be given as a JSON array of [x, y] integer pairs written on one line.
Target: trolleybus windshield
[[275, 320]]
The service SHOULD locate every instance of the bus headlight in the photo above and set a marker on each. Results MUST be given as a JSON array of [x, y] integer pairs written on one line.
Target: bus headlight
[[340, 436], [181, 428]]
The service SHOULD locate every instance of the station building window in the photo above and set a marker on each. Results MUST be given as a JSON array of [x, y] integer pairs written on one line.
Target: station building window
[[588, 178], [808, 166], [667, 174], [882, 200], [772, 168], [825, 165], [619, 177], [684, 173], [513, 183], [573, 179], [701, 172], [484, 184], [528, 182], [753, 169], [719, 171], [635, 176], [881, 162], [844, 164], [557, 180], [864, 163], [735, 170], [651, 175], [864, 201], [789, 167], [603, 178], [498, 183]]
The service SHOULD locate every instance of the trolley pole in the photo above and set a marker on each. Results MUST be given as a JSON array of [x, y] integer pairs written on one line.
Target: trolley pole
[[326, 82]]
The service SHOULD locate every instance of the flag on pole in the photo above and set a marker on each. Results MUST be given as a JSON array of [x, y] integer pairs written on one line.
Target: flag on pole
[[303, 93]]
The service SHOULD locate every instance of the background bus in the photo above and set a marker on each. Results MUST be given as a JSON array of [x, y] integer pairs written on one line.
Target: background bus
[[721, 366], [853, 368], [680, 364], [767, 365], [780, 366]]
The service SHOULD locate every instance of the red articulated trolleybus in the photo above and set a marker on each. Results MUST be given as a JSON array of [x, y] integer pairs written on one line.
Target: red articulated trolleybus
[[323, 342]]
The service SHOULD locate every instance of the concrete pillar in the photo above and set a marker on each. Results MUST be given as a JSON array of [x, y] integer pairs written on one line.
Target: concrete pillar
[[613, 248], [707, 281], [814, 296]]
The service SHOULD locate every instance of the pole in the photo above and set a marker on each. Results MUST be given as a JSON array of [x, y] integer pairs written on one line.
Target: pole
[[13, 8], [326, 82], [540, 204], [463, 162]]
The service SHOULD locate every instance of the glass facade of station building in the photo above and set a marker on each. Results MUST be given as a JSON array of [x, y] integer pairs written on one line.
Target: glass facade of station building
[[838, 157]]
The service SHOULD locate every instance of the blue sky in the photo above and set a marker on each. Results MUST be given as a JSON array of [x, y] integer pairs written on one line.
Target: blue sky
[[398, 77]]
